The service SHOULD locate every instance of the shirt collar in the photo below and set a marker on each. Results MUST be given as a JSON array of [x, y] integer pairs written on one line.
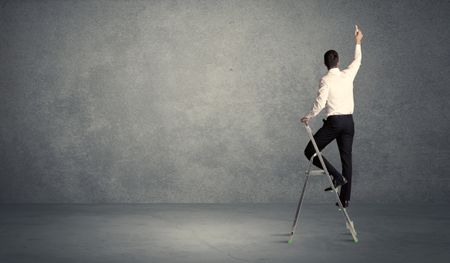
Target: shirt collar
[[333, 70]]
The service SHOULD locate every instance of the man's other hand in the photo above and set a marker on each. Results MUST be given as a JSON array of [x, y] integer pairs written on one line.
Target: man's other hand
[[305, 120]]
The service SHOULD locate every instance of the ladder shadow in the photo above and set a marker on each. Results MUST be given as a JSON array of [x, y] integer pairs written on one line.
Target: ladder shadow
[[281, 235], [284, 241]]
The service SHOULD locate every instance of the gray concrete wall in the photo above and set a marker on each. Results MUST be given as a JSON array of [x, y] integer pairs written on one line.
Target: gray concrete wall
[[198, 101]]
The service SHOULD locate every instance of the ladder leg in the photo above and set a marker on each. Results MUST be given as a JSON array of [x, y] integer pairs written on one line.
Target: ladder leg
[[300, 202], [297, 214], [348, 222]]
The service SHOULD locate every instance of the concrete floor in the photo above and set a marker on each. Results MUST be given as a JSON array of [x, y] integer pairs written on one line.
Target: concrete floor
[[221, 233]]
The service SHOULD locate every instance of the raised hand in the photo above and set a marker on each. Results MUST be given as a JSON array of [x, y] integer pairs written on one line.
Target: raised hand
[[358, 35]]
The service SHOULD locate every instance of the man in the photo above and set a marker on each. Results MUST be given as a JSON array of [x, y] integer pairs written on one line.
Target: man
[[336, 96]]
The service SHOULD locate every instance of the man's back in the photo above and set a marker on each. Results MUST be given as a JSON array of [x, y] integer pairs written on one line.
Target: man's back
[[340, 87], [336, 89]]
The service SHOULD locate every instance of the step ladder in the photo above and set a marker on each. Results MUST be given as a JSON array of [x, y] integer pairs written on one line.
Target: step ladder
[[309, 172]]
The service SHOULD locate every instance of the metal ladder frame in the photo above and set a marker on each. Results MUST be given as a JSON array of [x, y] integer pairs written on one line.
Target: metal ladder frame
[[309, 172]]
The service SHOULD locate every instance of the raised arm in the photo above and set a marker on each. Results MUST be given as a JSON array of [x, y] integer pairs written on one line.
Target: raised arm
[[352, 69]]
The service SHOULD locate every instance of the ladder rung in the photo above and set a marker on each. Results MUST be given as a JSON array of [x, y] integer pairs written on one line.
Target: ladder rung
[[316, 172]]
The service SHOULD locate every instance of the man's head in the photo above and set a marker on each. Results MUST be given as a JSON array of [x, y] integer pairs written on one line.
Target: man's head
[[331, 59]]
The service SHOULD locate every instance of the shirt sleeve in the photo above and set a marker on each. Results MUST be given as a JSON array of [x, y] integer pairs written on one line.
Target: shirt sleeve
[[320, 100], [352, 69]]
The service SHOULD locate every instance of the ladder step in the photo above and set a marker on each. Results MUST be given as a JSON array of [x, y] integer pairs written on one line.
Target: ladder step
[[316, 172]]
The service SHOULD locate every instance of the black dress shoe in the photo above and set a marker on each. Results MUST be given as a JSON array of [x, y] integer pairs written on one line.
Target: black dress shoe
[[345, 204], [336, 184]]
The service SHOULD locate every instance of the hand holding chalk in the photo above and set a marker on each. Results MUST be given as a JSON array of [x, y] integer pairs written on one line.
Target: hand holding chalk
[[358, 35]]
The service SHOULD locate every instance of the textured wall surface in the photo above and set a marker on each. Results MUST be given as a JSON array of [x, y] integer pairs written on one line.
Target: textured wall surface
[[198, 101]]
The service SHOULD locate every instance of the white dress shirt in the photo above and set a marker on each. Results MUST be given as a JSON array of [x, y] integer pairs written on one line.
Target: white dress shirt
[[336, 89]]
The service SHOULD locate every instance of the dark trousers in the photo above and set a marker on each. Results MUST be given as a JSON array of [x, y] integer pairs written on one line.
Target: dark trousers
[[341, 128]]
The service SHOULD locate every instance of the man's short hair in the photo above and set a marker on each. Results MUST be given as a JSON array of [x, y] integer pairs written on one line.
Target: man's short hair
[[331, 59]]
